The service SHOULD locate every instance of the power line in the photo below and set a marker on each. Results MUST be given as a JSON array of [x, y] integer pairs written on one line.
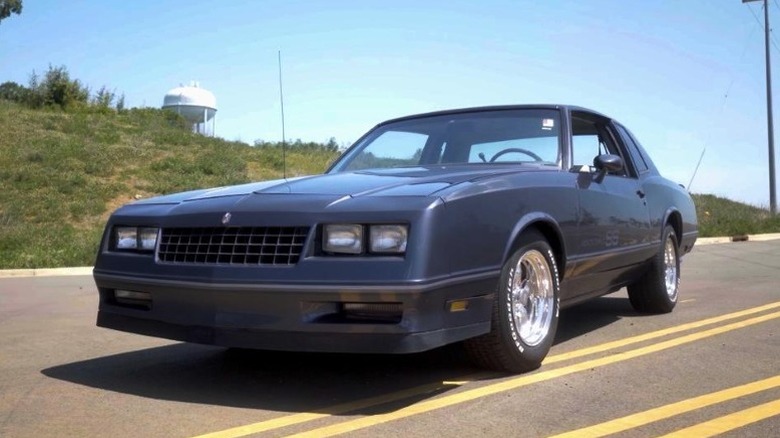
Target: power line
[[747, 44], [771, 34], [724, 98]]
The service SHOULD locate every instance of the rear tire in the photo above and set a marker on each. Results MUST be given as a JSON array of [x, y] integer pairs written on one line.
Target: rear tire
[[658, 289], [525, 310]]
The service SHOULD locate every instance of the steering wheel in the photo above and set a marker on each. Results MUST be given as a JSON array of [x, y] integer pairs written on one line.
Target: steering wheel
[[519, 150]]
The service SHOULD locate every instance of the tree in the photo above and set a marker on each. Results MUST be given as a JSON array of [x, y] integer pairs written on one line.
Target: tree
[[331, 145], [35, 93], [8, 7], [13, 91], [120, 103], [57, 89], [104, 98]]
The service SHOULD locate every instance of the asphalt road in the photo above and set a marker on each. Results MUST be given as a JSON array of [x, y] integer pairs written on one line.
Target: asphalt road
[[710, 367]]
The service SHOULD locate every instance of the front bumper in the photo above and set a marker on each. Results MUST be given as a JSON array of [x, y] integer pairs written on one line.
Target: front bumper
[[300, 317]]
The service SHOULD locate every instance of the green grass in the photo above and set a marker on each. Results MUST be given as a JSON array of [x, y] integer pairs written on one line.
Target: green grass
[[723, 217], [63, 173]]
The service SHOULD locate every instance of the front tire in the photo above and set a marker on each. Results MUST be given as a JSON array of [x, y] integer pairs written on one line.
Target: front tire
[[525, 310], [658, 289]]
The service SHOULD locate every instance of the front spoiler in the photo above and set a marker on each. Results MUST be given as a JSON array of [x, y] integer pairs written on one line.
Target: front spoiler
[[294, 341], [282, 317]]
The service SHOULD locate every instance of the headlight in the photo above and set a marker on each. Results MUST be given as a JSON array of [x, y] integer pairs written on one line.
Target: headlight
[[389, 238], [126, 237], [135, 238], [147, 237], [343, 238]]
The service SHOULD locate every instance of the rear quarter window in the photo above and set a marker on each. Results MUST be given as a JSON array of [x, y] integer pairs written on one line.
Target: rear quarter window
[[636, 155]]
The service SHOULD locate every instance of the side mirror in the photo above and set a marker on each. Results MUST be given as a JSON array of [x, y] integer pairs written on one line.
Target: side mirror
[[607, 163]]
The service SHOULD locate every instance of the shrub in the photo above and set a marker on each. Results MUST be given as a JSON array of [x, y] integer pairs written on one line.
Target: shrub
[[14, 92], [57, 89]]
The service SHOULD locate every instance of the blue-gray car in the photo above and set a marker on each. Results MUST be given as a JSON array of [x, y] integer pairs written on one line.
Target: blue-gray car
[[472, 225]]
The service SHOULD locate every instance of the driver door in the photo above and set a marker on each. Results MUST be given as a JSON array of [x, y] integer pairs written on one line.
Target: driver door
[[613, 225]]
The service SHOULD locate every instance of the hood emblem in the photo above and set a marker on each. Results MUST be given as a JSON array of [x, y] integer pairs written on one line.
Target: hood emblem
[[226, 218]]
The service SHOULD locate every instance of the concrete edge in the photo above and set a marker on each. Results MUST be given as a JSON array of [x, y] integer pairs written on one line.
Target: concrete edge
[[712, 240], [47, 272], [740, 238], [87, 270]]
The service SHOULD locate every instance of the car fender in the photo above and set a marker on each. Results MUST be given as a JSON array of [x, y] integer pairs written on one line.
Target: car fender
[[548, 226], [673, 217]]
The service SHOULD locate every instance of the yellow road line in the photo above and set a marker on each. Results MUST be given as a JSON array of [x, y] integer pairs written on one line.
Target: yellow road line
[[461, 397], [729, 422], [657, 334], [671, 410], [289, 420]]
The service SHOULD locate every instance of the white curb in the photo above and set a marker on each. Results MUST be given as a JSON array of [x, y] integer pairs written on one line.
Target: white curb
[[48, 272], [743, 238]]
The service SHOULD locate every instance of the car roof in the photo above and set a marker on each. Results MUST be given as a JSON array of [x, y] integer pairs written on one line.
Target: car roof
[[544, 106]]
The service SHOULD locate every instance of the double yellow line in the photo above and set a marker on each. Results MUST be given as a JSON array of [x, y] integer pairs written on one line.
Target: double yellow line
[[502, 386], [708, 428]]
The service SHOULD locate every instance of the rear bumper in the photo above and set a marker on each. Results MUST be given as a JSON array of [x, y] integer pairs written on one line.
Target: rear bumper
[[299, 317]]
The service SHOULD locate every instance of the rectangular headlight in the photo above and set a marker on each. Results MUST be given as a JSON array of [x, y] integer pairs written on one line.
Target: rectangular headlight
[[147, 237], [388, 238], [126, 237], [343, 238], [135, 238]]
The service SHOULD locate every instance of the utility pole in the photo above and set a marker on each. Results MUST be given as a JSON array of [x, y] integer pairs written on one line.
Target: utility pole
[[770, 124]]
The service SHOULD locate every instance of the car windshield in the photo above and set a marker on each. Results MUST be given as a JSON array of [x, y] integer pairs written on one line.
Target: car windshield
[[498, 136]]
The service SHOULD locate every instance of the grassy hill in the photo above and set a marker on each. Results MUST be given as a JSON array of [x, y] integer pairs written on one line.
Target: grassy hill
[[724, 217], [62, 173]]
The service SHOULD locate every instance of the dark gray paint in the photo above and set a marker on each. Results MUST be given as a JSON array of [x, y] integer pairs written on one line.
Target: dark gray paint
[[464, 221]]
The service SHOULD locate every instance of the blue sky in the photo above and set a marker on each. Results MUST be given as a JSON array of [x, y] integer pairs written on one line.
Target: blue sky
[[683, 75]]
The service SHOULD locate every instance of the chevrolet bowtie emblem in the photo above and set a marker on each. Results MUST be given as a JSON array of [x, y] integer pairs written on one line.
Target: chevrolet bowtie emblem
[[226, 218]]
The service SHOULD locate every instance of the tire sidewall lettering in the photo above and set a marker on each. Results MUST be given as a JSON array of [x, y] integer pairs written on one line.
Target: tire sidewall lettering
[[509, 311], [513, 329]]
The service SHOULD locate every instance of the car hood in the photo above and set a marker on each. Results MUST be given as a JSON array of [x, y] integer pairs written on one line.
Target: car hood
[[416, 181]]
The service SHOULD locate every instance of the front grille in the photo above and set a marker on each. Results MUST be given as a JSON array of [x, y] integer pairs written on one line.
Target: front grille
[[232, 245]]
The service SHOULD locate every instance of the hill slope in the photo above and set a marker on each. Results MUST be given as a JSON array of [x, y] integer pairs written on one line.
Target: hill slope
[[724, 217], [62, 173]]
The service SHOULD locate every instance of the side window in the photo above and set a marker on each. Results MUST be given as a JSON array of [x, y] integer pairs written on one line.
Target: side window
[[585, 148], [591, 138], [633, 150]]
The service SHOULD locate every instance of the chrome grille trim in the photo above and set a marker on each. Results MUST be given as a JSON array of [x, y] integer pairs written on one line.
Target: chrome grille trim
[[245, 246]]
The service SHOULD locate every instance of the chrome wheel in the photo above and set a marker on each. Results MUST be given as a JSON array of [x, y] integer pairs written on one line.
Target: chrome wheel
[[531, 297], [524, 311], [657, 290], [670, 268]]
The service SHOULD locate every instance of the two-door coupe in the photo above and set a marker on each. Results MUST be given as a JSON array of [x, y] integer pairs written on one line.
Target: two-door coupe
[[472, 225]]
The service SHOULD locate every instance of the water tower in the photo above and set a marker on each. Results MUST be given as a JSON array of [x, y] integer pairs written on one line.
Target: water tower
[[197, 105]]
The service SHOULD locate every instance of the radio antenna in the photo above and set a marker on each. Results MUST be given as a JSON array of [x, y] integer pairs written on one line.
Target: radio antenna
[[704, 149], [717, 117], [281, 100]]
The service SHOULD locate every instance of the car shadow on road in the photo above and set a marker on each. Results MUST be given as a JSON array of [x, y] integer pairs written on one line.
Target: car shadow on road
[[300, 382], [280, 381], [592, 315]]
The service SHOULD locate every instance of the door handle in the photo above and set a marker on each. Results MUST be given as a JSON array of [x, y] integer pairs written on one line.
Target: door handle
[[640, 193]]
